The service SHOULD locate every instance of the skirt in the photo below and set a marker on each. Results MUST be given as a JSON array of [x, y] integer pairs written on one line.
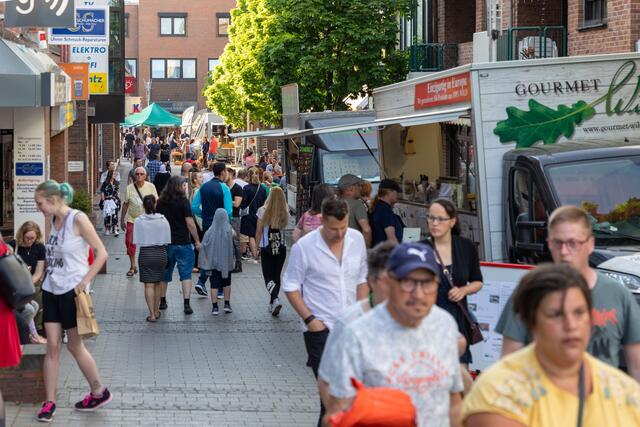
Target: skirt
[[152, 263]]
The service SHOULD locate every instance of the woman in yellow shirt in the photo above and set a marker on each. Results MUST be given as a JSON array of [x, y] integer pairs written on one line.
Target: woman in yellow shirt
[[541, 384]]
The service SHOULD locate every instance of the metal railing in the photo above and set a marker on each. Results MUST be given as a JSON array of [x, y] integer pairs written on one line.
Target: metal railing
[[433, 57], [532, 43]]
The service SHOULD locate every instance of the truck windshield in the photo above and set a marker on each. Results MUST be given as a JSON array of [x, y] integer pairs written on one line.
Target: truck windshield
[[360, 163], [606, 188]]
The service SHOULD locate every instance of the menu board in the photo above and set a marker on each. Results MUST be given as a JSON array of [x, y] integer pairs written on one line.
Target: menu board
[[303, 168]]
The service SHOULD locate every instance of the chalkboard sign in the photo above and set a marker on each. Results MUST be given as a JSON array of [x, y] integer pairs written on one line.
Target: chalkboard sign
[[303, 168]]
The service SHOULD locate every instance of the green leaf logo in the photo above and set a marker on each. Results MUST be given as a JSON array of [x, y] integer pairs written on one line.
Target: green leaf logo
[[542, 123]]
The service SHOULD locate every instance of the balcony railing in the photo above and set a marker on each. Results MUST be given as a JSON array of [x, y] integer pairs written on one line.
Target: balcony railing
[[532, 43], [433, 57]]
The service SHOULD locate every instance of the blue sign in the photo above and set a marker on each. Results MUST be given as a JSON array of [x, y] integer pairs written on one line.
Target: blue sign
[[92, 27], [29, 169]]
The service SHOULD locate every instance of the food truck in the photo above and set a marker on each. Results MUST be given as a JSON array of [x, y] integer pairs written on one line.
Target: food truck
[[508, 142]]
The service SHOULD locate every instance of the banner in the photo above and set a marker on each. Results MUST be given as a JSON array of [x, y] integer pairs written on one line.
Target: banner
[[98, 59], [91, 28], [79, 74], [444, 91], [39, 13]]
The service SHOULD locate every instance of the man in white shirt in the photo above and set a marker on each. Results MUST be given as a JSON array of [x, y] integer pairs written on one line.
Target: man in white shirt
[[111, 166], [326, 273], [407, 343]]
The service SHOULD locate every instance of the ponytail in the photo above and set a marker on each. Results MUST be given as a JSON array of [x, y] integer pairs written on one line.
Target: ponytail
[[149, 203], [52, 188]]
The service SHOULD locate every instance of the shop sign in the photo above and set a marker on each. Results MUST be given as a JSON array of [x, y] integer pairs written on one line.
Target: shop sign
[[29, 158], [39, 13], [571, 101], [132, 104], [75, 166], [444, 91], [98, 59], [130, 85], [79, 74], [91, 28], [63, 116]]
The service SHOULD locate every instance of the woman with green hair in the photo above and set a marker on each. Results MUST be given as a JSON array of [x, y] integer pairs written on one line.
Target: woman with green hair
[[68, 273]]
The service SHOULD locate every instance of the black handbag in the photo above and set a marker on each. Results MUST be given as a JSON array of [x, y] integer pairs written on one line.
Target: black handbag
[[16, 286]]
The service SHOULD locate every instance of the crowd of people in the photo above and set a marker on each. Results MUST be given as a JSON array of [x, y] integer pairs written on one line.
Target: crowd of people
[[376, 312]]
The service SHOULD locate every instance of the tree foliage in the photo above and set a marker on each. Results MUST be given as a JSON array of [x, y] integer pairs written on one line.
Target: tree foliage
[[333, 49]]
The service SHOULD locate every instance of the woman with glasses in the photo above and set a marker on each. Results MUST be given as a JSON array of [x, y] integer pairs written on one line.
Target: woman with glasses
[[553, 381], [459, 257]]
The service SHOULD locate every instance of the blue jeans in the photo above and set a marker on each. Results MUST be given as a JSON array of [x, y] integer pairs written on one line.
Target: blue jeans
[[183, 256]]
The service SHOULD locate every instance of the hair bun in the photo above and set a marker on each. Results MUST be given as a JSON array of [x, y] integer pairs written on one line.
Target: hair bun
[[67, 192]]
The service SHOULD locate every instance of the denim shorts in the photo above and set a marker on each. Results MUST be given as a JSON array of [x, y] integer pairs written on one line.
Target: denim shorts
[[184, 256]]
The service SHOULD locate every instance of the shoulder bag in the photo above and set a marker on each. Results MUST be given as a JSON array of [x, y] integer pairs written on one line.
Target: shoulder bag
[[245, 211], [474, 327], [16, 286]]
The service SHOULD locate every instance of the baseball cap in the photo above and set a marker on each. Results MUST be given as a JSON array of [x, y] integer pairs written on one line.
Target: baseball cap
[[348, 180], [407, 257], [389, 184]]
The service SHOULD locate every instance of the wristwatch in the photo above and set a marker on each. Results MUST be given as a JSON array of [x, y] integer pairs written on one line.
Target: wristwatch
[[309, 319]]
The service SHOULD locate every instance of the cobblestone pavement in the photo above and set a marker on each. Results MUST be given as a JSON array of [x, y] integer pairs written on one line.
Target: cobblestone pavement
[[240, 369]]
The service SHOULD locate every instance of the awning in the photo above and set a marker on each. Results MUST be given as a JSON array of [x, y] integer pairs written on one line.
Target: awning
[[154, 115], [343, 133], [266, 134], [20, 81]]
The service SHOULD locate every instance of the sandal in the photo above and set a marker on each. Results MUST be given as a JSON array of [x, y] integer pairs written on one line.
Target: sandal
[[151, 319], [132, 272]]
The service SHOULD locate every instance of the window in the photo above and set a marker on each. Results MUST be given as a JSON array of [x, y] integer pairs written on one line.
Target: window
[[224, 20], [126, 25], [173, 68], [173, 24], [213, 63], [595, 12], [131, 67]]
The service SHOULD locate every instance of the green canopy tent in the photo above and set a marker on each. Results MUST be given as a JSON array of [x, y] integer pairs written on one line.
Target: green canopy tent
[[155, 116]]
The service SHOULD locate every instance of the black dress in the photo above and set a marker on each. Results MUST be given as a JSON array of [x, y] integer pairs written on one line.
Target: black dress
[[465, 269], [249, 223]]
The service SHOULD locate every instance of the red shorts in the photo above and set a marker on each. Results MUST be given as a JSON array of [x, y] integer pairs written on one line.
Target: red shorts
[[128, 240]]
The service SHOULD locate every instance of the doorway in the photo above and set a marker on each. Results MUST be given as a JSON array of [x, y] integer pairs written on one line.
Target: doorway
[[6, 174]]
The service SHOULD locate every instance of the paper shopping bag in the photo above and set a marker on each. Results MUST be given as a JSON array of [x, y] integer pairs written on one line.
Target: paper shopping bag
[[87, 324]]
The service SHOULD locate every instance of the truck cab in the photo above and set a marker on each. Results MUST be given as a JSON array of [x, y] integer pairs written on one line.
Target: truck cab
[[600, 176]]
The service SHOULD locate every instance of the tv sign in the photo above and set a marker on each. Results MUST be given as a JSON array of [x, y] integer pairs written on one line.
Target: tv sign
[[40, 13], [92, 28]]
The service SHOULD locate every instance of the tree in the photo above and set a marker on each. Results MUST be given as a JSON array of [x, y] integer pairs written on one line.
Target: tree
[[237, 84], [333, 49]]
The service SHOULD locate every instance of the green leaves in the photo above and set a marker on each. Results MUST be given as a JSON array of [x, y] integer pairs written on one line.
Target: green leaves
[[541, 123]]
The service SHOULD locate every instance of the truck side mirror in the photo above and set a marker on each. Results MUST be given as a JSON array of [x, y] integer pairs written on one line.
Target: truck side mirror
[[525, 231]]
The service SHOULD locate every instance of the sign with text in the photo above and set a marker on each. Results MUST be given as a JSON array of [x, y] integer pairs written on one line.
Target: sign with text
[[444, 91], [98, 59], [39, 13], [91, 28], [79, 74]]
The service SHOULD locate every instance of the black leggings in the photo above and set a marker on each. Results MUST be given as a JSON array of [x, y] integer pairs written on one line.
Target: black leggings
[[272, 269]]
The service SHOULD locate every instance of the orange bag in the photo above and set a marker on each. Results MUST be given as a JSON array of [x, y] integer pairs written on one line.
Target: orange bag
[[377, 407]]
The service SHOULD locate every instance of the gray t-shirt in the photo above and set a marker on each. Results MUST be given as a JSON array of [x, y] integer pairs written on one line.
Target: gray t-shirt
[[357, 212], [422, 361], [616, 321]]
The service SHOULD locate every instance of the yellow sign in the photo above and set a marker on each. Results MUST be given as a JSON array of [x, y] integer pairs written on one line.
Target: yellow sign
[[98, 83]]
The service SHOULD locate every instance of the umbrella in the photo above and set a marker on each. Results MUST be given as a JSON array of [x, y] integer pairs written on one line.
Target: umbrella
[[154, 115]]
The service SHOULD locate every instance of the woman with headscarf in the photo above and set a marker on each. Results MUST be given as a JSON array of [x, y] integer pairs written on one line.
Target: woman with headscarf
[[216, 258], [161, 178]]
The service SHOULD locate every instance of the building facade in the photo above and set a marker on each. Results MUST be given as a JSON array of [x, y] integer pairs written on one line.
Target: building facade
[[439, 34], [170, 48]]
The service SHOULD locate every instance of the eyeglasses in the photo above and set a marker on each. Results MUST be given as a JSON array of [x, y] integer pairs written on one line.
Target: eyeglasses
[[140, 173], [409, 285], [437, 219], [572, 245], [28, 238]]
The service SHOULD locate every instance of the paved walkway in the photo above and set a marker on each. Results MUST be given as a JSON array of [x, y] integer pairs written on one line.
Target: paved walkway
[[241, 369]]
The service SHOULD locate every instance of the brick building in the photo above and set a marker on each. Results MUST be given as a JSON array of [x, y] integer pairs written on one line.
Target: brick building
[[439, 34], [170, 47]]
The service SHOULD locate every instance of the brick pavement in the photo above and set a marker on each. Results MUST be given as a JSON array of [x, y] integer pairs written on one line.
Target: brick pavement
[[241, 369]]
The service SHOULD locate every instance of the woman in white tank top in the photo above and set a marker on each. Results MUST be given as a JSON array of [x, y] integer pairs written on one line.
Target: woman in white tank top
[[68, 272]]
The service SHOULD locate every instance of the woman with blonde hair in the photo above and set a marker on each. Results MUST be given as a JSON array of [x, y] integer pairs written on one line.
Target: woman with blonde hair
[[30, 246], [68, 274], [273, 218]]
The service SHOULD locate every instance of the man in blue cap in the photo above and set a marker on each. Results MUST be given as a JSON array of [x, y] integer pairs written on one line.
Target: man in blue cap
[[407, 343]]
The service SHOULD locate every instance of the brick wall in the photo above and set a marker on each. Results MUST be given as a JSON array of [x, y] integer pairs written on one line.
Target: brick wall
[[465, 53], [131, 40], [536, 12], [456, 21], [25, 383], [619, 35], [78, 147], [481, 15], [59, 154]]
